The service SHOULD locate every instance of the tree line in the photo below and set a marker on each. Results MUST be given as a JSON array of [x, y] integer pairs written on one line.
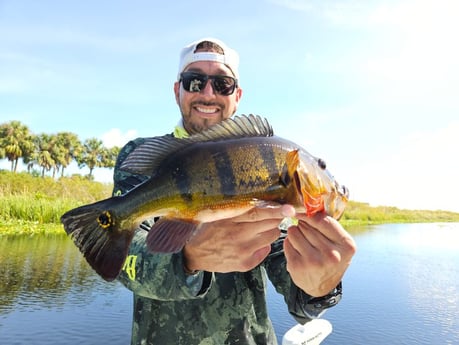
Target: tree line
[[52, 153]]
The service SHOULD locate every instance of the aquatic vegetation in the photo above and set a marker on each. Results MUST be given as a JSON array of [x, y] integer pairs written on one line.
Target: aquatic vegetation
[[33, 205]]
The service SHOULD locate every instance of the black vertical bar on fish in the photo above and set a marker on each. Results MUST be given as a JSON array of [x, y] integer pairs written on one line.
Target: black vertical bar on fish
[[182, 180], [269, 158], [225, 173]]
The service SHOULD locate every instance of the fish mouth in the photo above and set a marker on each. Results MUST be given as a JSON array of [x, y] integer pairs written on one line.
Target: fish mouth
[[311, 196], [319, 191], [337, 204]]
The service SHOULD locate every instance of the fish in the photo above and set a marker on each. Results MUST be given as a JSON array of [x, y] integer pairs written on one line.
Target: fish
[[216, 174]]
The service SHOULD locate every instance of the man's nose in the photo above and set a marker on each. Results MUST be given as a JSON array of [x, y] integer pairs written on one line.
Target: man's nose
[[208, 89]]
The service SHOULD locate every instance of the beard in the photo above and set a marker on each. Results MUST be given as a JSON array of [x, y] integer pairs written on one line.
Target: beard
[[194, 124]]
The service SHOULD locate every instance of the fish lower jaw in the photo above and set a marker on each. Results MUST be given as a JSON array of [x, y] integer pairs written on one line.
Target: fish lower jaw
[[300, 209]]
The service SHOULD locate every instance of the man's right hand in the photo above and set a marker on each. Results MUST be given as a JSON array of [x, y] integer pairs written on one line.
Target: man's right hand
[[235, 244]]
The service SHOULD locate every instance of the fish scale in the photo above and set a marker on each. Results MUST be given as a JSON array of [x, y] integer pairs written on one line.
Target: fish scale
[[227, 170]]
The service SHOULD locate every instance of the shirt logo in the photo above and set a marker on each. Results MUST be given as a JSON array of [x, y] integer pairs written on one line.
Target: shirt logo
[[129, 266]]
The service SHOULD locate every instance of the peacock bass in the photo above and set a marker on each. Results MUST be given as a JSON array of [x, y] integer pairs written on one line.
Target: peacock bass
[[216, 174]]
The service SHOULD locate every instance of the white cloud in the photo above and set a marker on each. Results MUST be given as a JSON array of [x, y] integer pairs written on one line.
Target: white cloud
[[423, 51], [42, 35], [114, 137], [103, 175], [422, 174], [354, 14], [295, 5]]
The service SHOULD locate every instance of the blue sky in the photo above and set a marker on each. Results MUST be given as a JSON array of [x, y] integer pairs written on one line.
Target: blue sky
[[372, 87]]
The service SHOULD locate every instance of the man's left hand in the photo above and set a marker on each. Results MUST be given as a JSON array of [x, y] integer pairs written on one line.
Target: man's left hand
[[318, 252]]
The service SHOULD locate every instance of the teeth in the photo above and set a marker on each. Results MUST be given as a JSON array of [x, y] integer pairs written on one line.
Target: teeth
[[206, 110]]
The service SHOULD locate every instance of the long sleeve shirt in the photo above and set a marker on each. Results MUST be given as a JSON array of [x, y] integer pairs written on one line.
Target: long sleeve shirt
[[172, 307]]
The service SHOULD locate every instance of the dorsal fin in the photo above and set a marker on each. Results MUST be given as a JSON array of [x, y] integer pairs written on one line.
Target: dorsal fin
[[237, 127], [146, 158]]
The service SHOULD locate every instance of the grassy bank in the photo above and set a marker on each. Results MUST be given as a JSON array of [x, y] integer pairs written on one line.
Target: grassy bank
[[33, 205], [358, 213]]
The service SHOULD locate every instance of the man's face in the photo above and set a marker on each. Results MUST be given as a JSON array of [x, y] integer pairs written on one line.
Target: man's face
[[203, 109]]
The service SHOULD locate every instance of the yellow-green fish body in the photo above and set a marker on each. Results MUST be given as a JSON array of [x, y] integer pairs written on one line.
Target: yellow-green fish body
[[217, 174]]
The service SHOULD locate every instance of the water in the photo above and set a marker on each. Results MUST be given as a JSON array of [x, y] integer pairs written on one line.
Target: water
[[402, 288]]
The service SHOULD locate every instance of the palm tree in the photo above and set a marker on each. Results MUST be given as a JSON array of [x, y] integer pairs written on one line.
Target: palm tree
[[45, 157], [110, 158], [92, 156], [16, 142], [71, 148], [30, 159]]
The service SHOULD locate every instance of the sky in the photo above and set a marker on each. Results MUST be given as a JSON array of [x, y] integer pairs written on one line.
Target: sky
[[371, 87]]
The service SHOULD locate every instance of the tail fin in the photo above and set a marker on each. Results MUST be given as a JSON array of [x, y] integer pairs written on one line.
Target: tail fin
[[95, 232]]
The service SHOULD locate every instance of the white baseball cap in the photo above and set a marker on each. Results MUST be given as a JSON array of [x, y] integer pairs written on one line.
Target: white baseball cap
[[229, 57]]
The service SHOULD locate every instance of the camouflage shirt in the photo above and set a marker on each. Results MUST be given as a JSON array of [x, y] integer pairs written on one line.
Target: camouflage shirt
[[171, 307]]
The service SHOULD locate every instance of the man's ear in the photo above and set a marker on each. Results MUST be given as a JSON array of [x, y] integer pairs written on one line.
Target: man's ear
[[177, 92]]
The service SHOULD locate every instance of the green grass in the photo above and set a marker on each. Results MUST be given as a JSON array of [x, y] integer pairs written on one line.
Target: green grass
[[20, 227], [75, 187], [33, 205], [358, 213], [35, 208]]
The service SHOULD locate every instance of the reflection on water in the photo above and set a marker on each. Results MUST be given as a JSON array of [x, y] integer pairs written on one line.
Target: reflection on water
[[41, 272], [402, 288], [49, 295]]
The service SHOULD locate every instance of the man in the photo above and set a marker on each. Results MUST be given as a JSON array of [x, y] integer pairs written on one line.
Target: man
[[214, 290]]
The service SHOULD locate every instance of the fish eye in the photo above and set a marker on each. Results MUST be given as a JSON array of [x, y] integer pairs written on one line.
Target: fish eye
[[322, 164]]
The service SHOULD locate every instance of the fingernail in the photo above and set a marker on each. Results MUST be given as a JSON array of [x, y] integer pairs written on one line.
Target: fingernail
[[288, 211]]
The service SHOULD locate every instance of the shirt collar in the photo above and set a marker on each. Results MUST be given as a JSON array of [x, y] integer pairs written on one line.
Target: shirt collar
[[180, 131]]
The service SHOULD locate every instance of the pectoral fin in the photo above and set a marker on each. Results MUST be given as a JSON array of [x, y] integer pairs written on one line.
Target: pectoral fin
[[169, 235]]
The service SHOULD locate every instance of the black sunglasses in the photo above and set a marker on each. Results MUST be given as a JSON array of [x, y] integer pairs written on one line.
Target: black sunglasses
[[196, 82]]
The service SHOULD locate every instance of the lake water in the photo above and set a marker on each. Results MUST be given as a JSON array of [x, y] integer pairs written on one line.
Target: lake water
[[402, 288]]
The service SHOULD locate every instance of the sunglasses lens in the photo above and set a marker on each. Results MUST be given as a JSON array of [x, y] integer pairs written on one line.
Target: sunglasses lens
[[195, 82], [224, 85]]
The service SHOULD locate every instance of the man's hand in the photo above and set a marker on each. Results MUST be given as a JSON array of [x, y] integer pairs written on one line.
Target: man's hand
[[318, 252], [235, 244]]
